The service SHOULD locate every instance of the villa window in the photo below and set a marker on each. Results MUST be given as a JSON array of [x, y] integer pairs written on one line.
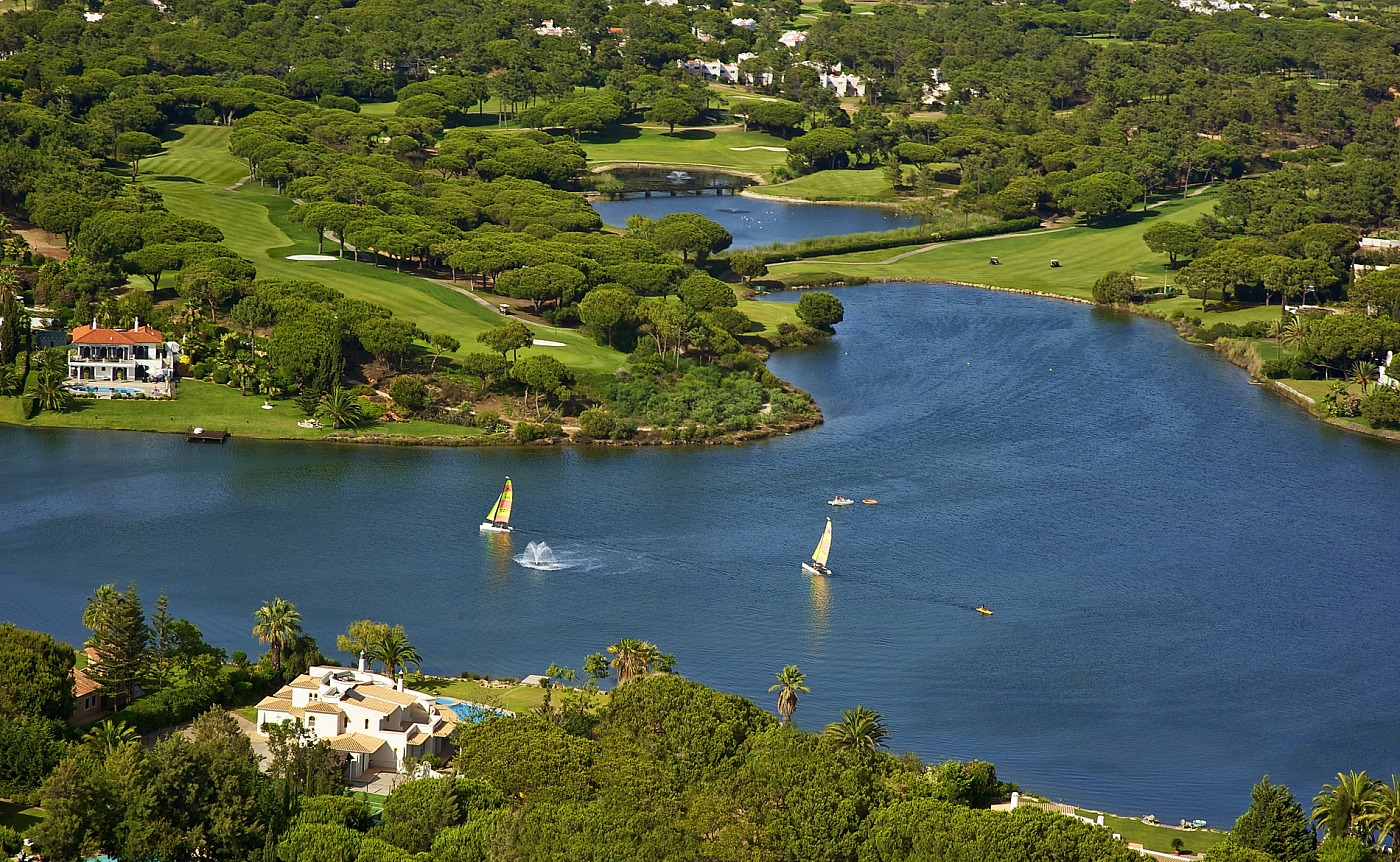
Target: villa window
[[367, 724], [311, 721]]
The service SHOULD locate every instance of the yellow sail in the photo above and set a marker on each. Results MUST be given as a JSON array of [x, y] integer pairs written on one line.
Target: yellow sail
[[823, 547], [500, 513]]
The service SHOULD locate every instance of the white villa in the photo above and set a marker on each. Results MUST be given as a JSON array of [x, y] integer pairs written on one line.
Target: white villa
[[792, 38], [729, 73], [1385, 377], [369, 718], [547, 28], [137, 354]]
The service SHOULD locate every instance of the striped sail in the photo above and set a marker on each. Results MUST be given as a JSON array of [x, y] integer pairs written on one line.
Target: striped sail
[[500, 513], [823, 547]]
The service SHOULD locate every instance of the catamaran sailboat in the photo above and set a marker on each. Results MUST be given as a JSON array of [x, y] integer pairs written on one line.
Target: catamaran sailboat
[[817, 565], [498, 519]]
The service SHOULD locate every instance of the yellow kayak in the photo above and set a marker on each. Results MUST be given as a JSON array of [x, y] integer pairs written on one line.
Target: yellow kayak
[[982, 609], [870, 502]]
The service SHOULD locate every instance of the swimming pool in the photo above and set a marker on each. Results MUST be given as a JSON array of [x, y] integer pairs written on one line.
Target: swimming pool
[[470, 712], [108, 390]]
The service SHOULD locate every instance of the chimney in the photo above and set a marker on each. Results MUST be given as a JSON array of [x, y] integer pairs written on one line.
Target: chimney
[[400, 685], [362, 661], [137, 326]]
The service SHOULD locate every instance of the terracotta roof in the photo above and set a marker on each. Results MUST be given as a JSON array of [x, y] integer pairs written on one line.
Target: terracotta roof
[[402, 698], [274, 703], [322, 706], [91, 653], [83, 685], [370, 703], [93, 335], [306, 681], [357, 743], [285, 692]]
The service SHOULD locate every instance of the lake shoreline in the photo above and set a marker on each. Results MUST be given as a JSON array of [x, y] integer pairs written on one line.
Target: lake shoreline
[[1290, 394]]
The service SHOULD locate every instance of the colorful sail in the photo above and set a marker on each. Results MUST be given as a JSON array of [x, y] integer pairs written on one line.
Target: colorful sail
[[823, 547], [500, 513]]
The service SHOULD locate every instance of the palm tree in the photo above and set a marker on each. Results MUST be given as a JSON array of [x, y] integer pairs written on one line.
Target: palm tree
[[1294, 332], [790, 682], [1383, 814], [394, 651], [105, 738], [340, 408], [51, 395], [632, 658], [859, 729], [277, 625], [1362, 373], [1339, 808], [243, 369]]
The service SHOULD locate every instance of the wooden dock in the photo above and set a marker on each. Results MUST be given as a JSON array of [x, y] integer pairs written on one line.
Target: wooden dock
[[205, 435]]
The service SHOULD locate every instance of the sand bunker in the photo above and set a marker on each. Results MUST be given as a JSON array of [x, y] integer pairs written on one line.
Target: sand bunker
[[312, 257]]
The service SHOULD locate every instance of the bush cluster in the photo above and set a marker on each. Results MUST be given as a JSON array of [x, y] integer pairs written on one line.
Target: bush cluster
[[875, 241]]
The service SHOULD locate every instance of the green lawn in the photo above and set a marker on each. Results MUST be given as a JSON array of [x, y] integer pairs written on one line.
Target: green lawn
[[1159, 838], [516, 698], [18, 817], [194, 176], [209, 405], [1084, 253], [849, 185], [720, 148]]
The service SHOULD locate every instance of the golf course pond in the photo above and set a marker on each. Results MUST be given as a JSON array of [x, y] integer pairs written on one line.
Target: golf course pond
[[758, 221], [1191, 580]]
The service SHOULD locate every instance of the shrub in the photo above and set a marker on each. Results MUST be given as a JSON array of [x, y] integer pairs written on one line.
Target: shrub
[[1302, 371], [487, 420], [29, 406], [410, 394], [1382, 407], [551, 430], [1115, 287], [597, 422], [9, 841], [361, 390], [821, 310], [526, 433], [1276, 368], [221, 376]]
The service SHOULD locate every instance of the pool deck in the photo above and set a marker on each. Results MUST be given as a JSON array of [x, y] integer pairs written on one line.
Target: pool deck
[[149, 390]]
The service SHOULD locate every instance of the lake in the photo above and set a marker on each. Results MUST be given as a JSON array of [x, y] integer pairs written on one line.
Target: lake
[[758, 222], [1193, 581]]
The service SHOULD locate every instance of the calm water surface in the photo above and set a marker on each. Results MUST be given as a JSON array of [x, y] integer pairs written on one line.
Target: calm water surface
[[758, 222], [1194, 583]]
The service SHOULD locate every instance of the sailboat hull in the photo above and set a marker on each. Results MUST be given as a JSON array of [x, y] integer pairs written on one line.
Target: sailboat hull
[[814, 569], [489, 527]]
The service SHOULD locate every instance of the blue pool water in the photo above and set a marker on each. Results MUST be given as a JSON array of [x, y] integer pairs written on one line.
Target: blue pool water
[[469, 712], [108, 390]]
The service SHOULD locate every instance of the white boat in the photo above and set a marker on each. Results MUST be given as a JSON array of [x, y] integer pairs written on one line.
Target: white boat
[[498, 519], [817, 565], [838, 500]]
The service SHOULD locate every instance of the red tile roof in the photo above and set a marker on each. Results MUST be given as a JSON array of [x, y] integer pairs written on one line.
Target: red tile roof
[[141, 335], [83, 685]]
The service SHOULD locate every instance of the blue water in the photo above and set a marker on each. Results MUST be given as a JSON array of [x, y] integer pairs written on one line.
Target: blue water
[[758, 222], [1194, 582], [469, 712], [108, 390]]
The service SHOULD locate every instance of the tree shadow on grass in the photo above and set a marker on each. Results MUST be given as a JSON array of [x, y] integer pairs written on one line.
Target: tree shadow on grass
[[1120, 219], [165, 178], [613, 135], [694, 135]]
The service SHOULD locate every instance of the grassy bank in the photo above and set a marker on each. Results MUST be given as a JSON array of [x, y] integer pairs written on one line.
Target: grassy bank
[[514, 697], [731, 148], [1159, 838], [208, 405], [867, 185], [19, 817]]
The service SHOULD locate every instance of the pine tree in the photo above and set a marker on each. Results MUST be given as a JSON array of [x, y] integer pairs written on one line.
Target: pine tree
[[161, 622], [1275, 824], [14, 328], [894, 171], [120, 636]]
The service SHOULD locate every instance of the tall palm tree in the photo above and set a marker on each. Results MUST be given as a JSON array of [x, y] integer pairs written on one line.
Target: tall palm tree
[[859, 729], [277, 624], [1294, 331], [1338, 808], [394, 651], [107, 737], [790, 682], [1382, 815], [632, 658]]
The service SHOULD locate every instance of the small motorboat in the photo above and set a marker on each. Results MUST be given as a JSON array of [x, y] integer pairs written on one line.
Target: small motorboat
[[838, 500], [870, 502], [982, 609]]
